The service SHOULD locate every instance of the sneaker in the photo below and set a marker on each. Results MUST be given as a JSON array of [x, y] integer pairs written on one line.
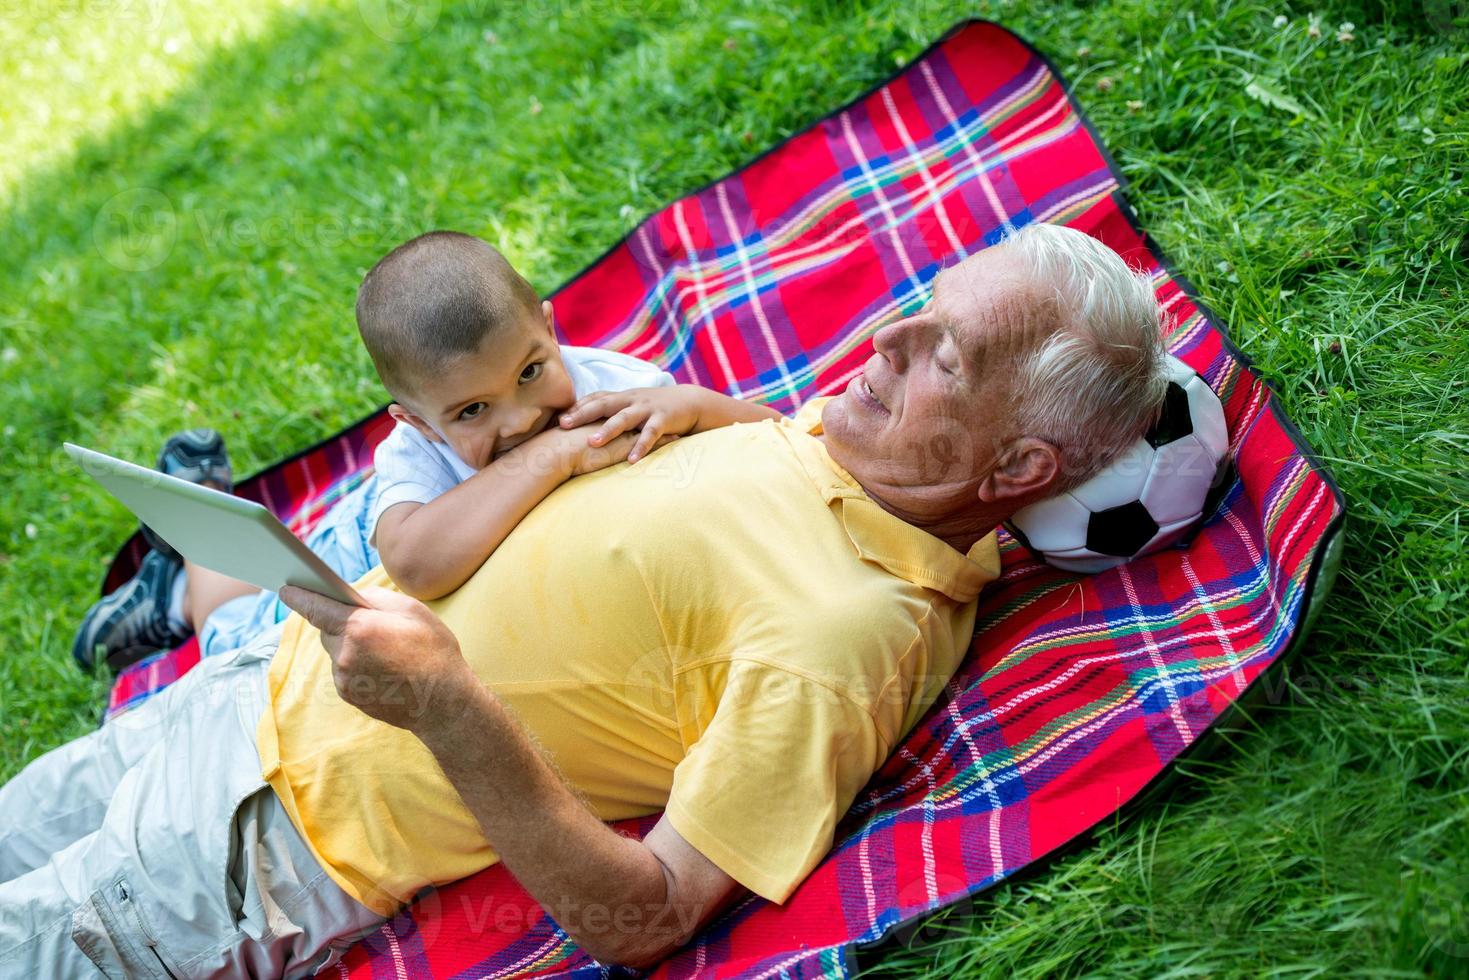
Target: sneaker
[[198, 456], [126, 626]]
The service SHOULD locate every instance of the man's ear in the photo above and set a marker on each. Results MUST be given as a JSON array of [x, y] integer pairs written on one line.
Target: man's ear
[[1027, 468], [401, 414]]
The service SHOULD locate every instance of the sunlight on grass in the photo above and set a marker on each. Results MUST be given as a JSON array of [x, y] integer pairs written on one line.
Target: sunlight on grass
[[75, 69]]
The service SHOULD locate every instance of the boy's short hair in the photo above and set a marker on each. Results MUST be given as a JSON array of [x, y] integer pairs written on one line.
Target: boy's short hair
[[434, 298]]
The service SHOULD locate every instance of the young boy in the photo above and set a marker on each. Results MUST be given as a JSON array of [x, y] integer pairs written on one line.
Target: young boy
[[492, 415]]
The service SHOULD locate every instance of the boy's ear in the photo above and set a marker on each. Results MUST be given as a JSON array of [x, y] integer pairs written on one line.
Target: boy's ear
[[401, 414], [550, 316]]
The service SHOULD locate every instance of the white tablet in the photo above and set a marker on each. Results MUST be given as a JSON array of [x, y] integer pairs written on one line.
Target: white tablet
[[228, 534]]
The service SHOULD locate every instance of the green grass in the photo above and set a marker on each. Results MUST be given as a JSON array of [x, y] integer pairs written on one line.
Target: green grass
[[1312, 188]]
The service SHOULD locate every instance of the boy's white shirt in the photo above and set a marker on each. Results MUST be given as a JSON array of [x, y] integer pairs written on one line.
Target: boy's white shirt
[[411, 469]]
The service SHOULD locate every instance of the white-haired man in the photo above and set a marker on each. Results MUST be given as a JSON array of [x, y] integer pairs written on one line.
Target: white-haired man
[[736, 632]]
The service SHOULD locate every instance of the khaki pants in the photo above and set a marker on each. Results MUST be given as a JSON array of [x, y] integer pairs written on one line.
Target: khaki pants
[[152, 847]]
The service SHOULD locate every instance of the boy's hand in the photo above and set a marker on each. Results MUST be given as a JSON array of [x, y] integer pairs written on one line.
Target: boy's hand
[[660, 413], [576, 453]]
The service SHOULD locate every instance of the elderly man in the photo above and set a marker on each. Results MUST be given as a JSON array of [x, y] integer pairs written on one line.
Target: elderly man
[[736, 631]]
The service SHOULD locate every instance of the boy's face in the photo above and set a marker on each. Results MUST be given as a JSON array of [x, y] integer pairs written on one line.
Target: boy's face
[[488, 402]]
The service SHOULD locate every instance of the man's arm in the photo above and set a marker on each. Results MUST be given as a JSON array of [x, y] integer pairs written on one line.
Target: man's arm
[[431, 549], [623, 901]]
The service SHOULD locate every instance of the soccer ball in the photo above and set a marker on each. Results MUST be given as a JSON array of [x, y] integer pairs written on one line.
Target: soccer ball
[[1145, 499]]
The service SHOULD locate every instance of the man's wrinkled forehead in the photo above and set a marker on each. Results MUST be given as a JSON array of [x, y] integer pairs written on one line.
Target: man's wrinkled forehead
[[994, 305]]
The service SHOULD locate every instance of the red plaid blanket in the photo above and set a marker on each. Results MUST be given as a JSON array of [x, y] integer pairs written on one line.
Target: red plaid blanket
[[1079, 692]]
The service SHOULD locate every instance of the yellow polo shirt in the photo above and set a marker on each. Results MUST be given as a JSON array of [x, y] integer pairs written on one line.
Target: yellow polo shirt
[[730, 630]]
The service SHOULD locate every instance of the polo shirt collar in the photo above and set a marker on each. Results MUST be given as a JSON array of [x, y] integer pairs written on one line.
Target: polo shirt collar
[[886, 540]]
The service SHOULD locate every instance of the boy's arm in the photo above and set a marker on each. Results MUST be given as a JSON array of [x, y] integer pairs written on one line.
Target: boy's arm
[[658, 412], [431, 549]]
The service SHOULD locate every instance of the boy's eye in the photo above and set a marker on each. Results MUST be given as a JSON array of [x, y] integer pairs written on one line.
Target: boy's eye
[[532, 372], [470, 411]]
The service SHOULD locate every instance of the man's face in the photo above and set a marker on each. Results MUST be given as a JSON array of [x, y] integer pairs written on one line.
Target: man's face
[[488, 402], [932, 407]]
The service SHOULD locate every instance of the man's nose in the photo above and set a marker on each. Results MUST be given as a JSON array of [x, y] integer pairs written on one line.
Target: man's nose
[[892, 343]]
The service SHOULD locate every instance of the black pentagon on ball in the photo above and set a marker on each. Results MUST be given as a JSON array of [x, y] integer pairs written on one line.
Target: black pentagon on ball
[[1174, 422], [1120, 531]]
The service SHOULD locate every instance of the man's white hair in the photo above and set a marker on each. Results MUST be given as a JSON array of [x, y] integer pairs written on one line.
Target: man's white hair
[[1097, 383]]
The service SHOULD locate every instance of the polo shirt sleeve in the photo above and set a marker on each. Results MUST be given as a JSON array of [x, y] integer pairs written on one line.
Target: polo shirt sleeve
[[761, 790]]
